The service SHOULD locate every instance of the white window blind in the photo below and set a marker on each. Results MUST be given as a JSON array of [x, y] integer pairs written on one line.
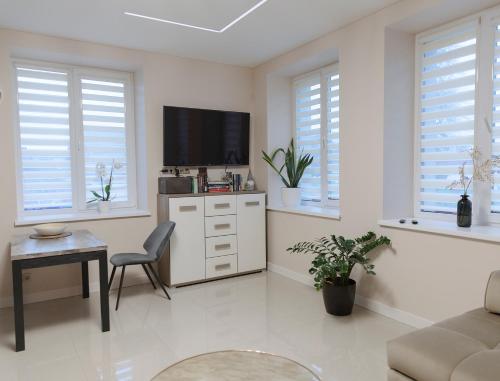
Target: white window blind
[[71, 119], [308, 132], [495, 125], [333, 104], [44, 138], [317, 103], [446, 113], [105, 134]]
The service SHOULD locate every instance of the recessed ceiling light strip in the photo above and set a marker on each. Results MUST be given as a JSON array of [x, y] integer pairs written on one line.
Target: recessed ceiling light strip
[[239, 18], [171, 22], [242, 16]]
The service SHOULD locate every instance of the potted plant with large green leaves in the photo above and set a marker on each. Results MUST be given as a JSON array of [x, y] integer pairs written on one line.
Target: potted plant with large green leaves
[[333, 264], [294, 167]]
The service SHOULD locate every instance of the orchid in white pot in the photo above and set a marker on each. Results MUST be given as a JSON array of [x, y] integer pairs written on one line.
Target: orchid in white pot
[[103, 199]]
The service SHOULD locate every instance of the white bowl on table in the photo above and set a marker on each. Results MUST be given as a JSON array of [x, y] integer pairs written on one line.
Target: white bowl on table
[[50, 229]]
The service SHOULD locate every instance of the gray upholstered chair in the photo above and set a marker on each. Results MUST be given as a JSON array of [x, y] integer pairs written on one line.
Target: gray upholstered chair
[[155, 246]]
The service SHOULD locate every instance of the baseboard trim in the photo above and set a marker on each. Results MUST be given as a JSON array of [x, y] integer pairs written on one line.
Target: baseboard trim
[[393, 313], [66, 292], [372, 305], [301, 278]]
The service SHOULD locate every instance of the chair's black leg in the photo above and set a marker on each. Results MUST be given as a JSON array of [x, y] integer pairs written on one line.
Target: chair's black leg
[[158, 280], [111, 278], [149, 276], [120, 289]]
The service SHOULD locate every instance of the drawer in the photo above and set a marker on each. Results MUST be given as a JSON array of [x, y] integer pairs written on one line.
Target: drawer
[[186, 206], [221, 266], [220, 225], [219, 246], [220, 205]]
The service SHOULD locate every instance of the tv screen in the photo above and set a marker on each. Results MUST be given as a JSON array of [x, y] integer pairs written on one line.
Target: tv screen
[[197, 137]]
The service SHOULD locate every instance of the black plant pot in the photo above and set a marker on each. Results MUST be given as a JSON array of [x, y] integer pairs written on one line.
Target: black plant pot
[[339, 299], [464, 212]]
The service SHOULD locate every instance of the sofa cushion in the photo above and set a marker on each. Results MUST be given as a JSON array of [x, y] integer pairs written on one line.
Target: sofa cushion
[[431, 353], [483, 366], [492, 295], [478, 324]]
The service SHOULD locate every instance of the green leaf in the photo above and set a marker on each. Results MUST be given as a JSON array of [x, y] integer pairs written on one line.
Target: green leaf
[[107, 189], [97, 195], [293, 166]]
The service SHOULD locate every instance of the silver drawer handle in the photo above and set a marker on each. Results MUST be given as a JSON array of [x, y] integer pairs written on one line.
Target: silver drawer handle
[[187, 208], [222, 266], [222, 206], [222, 226], [252, 203], [223, 246]]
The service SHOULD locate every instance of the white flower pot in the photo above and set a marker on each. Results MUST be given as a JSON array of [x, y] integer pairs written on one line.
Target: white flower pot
[[103, 206], [291, 197]]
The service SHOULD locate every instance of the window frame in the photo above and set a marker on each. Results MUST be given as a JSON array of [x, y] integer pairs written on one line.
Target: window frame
[[323, 73], [483, 108], [79, 207]]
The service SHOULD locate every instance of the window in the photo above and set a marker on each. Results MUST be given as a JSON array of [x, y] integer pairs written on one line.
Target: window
[[447, 89], [457, 109], [69, 120], [316, 108], [495, 124]]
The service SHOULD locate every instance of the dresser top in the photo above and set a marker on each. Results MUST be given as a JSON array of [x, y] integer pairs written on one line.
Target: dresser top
[[177, 195]]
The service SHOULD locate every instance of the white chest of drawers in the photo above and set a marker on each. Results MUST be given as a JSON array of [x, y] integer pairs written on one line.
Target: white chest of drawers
[[215, 236]]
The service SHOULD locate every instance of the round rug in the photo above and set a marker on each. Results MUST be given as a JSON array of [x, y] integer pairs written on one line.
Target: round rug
[[236, 365]]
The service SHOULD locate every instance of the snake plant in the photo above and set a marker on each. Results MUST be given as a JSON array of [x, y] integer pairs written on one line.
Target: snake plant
[[294, 166]]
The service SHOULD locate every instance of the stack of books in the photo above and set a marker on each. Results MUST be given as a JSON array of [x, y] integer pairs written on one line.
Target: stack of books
[[219, 186]]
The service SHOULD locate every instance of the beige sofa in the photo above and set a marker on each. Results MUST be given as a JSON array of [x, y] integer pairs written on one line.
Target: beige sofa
[[463, 348]]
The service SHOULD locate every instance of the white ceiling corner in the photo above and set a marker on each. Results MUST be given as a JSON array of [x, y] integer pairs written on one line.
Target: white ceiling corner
[[239, 32]]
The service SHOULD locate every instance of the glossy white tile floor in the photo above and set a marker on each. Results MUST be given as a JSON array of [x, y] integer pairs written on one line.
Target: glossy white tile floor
[[265, 312]]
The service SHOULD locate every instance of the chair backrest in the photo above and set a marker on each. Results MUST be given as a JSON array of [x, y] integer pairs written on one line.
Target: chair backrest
[[156, 243]]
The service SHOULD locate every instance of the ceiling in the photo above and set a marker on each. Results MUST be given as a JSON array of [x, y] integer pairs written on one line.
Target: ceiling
[[272, 28]]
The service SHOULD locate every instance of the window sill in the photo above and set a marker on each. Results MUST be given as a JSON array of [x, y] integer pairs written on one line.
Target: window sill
[[307, 210], [482, 233], [82, 216]]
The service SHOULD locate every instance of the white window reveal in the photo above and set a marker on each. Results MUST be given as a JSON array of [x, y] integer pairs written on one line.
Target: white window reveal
[[316, 108], [71, 121]]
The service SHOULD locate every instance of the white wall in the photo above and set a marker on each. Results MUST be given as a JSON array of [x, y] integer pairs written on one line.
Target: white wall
[[431, 276], [160, 80]]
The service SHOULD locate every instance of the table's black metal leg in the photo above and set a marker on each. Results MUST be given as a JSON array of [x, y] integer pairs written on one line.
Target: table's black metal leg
[[85, 279], [17, 283], [103, 290]]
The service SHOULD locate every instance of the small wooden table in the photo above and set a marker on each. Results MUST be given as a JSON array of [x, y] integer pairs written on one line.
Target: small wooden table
[[81, 246]]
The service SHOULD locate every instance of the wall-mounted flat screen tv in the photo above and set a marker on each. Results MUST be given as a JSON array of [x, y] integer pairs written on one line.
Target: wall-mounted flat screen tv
[[198, 137]]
